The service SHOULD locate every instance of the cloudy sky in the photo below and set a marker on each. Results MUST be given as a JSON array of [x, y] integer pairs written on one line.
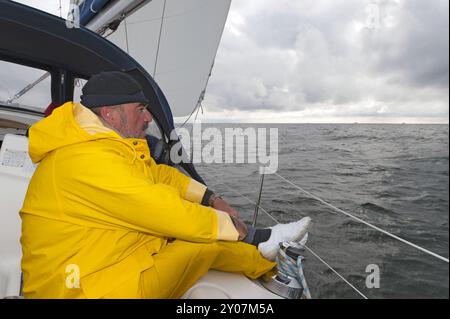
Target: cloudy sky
[[330, 61], [333, 61]]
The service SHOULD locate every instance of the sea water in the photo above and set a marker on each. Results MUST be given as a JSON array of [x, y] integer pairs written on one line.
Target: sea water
[[392, 176]]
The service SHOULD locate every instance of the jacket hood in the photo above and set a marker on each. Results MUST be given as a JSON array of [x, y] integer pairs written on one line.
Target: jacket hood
[[69, 124]]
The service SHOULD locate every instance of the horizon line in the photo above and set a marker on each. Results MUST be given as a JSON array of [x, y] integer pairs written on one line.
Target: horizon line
[[353, 123]]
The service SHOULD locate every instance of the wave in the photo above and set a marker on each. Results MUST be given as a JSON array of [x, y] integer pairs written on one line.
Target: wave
[[376, 208], [362, 137]]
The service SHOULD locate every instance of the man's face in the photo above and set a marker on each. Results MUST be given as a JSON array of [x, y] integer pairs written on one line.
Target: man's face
[[131, 120]]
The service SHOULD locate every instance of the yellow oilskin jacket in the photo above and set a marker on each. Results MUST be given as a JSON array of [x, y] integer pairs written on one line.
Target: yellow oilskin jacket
[[98, 207]]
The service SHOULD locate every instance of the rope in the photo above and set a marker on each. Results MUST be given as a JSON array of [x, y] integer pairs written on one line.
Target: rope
[[364, 222], [192, 113], [309, 249], [195, 110], [293, 268]]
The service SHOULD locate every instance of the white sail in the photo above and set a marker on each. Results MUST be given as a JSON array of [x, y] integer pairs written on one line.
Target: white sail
[[176, 42]]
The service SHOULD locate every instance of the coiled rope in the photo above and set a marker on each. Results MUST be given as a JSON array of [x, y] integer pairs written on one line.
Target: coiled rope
[[293, 268]]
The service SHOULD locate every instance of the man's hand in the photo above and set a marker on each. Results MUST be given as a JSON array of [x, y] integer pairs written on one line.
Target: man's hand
[[240, 227], [222, 205]]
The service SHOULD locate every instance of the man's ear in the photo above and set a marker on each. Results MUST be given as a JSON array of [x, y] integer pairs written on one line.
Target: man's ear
[[106, 114]]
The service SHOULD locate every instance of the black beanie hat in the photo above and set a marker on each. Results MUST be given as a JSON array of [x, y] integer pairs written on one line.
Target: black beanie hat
[[111, 88]]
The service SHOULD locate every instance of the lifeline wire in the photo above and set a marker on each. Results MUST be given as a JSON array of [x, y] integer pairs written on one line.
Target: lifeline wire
[[332, 269], [362, 221]]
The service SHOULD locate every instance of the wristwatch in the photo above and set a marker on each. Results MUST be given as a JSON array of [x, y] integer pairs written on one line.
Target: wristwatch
[[209, 197], [212, 198]]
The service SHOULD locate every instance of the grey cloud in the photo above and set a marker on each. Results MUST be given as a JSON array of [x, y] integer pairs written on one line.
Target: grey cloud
[[295, 55], [418, 50], [273, 30]]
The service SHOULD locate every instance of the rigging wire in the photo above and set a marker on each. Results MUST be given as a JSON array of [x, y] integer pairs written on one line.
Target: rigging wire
[[362, 221], [159, 39], [126, 34]]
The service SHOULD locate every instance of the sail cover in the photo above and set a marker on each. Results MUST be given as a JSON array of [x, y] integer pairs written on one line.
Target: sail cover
[[175, 41]]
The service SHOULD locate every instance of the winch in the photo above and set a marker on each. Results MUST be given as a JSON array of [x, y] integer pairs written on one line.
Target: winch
[[287, 281]]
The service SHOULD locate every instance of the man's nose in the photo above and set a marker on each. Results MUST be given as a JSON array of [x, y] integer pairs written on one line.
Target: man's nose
[[147, 116]]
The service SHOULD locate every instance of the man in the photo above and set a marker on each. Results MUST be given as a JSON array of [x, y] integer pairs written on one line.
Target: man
[[102, 220]]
